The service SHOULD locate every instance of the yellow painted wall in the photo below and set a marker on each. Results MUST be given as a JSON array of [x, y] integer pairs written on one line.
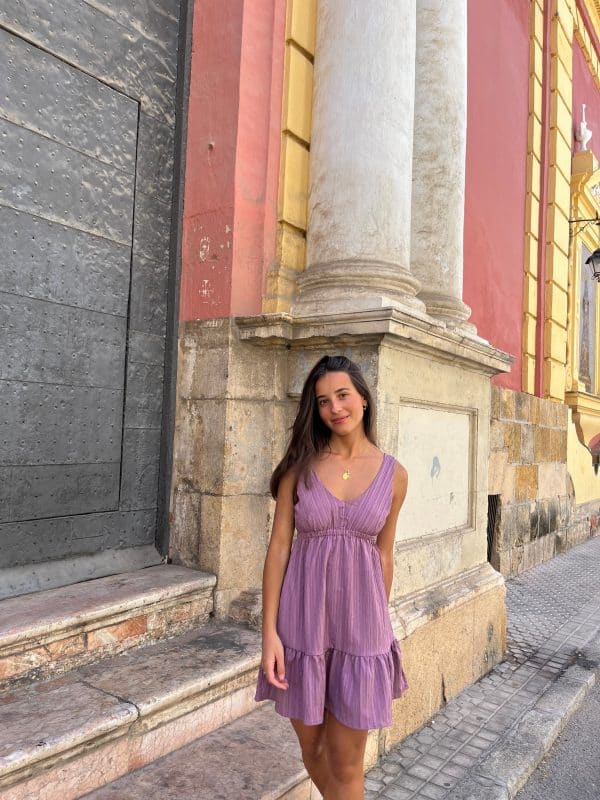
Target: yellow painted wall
[[532, 204], [579, 466], [295, 151]]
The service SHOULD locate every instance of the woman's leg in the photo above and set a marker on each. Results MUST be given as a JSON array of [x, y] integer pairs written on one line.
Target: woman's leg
[[345, 752], [312, 744]]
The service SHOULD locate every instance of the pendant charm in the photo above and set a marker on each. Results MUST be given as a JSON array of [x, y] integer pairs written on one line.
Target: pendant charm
[[345, 475]]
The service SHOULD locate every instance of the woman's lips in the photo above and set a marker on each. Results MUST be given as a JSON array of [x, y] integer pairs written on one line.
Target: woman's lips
[[339, 420]]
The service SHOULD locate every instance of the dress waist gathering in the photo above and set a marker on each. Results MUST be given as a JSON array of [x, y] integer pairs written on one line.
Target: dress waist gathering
[[336, 532]]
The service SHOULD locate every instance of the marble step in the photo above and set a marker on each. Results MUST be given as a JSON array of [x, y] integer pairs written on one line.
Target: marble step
[[256, 757], [66, 737], [46, 633]]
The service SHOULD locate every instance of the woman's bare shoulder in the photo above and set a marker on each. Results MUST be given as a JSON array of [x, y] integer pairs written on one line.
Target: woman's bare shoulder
[[400, 477], [287, 482]]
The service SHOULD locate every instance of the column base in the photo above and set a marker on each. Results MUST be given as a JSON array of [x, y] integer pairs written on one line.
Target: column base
[[450, 309], [357, 285]]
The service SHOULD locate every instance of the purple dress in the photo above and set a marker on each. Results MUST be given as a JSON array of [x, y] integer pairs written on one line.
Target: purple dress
[[334, 622]]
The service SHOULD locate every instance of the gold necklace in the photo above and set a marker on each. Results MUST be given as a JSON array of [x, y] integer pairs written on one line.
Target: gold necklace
[[346, 473]]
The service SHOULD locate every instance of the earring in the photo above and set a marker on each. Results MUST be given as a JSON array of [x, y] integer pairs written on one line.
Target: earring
[[364, 408]]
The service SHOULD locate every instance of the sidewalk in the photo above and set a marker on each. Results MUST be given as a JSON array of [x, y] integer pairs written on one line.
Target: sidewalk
[[484, 743]]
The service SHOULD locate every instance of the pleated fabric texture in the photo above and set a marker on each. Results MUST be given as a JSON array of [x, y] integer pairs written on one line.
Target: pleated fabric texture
[[333, 620]]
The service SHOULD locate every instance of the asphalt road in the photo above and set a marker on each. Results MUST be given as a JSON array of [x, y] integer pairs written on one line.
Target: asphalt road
[[571, 770]]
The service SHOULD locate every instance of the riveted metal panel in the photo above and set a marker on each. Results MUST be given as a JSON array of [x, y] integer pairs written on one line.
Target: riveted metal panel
[[86, 151], [50, 261], [146, 348], [152, 222], [139, 479], [59, 424], [155, 165], [68, 106], [155, 19], [57, 489], [36, 541], [52, 343], [148, 295], [55, 182], [142, 407], [139, 65]]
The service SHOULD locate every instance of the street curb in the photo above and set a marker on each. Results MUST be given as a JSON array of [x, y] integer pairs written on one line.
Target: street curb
[[506, 768]]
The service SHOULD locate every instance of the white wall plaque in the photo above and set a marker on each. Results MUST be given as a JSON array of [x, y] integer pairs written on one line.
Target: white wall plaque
[[435, 447]]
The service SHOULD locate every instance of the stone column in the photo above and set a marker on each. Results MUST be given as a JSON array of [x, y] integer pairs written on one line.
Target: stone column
[[438, 186], [358, 241]]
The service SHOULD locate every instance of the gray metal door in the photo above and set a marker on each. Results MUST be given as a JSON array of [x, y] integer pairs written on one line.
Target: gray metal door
[[86, 151]]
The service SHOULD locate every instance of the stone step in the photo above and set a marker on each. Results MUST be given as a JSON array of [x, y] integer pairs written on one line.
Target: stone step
[[256, 757], [63, 738], [47, 633]]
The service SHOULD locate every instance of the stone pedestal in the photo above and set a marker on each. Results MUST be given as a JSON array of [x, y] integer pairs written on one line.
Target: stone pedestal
[[238, 388], [232, 413]]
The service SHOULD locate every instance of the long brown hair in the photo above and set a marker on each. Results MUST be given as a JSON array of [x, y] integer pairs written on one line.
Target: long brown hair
[[310, 435]]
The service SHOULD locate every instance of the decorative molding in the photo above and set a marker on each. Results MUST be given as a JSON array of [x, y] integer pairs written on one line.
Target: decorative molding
[[398, 328], [533, 195], [585, 204], [593, 9], [558, 203], [584, 39]]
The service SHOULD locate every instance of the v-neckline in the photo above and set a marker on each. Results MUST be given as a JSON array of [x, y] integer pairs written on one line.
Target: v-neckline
[[361, 495]]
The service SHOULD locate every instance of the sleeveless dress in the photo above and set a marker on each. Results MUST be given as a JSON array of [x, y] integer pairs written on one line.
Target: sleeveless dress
[[333, 619]]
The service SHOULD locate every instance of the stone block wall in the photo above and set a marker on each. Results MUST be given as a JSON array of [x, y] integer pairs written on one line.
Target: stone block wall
[[537, 516], [528, 473]]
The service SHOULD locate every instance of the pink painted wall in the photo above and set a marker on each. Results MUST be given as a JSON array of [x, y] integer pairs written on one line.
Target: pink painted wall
[[496, 162], [232, 157], [585, 91]]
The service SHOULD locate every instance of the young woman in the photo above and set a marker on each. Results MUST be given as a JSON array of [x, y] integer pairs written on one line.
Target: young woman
[[329, 657]]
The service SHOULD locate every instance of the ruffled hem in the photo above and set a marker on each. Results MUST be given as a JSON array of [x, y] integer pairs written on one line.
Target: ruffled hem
[[358, 690]]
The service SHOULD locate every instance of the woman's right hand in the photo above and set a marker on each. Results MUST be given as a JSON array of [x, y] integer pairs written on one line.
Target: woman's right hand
[[273, 662]]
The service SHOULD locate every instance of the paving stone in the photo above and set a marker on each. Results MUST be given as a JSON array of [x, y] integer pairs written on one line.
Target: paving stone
[[372, 785], [443, 780], [407, 781], [420, 771], [397, 793], [442, 751], [432, 762], [389, 767], [433, 792], [376, 774], [454, 770]]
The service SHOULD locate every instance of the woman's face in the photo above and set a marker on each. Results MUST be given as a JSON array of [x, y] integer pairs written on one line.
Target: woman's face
[[340, 404]]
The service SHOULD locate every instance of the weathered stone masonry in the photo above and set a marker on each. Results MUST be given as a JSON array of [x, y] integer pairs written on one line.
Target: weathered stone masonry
[[537, 516]]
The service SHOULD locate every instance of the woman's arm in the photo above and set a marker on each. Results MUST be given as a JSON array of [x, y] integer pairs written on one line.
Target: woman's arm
[[276, 561], [385, 539]]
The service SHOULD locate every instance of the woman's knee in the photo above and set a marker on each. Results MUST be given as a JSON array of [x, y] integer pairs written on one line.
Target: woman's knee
[[345, 769], [345, 749], [345, 762], [311, 739], [313, 750]]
